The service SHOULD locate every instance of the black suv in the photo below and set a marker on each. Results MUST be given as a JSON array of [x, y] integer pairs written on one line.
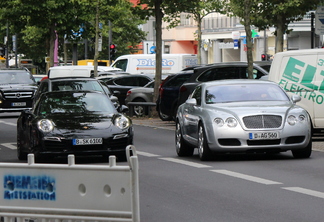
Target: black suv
[[17, 89], [218, 71], [167, 101]]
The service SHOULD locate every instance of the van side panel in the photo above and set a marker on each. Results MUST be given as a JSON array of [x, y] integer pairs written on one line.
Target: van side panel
[[302, 72], [146, 64]]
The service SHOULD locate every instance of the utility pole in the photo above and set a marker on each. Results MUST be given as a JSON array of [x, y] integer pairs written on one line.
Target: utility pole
[[110, 41], [96, 55]]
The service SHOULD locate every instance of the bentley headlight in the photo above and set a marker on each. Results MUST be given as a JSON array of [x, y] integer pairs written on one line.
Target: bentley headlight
[[45, 125], [219, 121], [231, 122], [122, 122], [302, 118], [292, 120]]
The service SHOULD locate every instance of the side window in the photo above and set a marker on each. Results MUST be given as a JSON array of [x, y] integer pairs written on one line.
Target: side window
[[43, 87], [143, 81], [197, 95], [177, 81], [121, 64], [208, 75], [257, 74], [127, 81]]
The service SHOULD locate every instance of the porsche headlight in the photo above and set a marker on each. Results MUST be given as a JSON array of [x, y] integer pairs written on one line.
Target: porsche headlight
[[292, 120], [45, 125], [219, 121], [231, 122], [122, 122]]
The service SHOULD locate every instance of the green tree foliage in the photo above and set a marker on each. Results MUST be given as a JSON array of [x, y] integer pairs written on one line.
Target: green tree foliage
[[37, 22]]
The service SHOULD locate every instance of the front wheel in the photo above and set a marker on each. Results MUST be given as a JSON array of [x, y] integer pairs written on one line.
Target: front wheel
[[203, 148], [140, 110], [303, 153], [182, 148]]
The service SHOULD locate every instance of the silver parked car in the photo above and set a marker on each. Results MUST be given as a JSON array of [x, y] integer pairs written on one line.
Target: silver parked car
[[140, 94], [247, 116]]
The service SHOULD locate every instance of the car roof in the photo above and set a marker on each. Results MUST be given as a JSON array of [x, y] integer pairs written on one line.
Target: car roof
[[236, 81], [70, 79]]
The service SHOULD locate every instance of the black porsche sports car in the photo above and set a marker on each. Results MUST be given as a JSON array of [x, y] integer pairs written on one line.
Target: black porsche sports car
[[73, 122]]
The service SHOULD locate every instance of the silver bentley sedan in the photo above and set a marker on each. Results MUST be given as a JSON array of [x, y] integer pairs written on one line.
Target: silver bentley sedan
[[245, 115]]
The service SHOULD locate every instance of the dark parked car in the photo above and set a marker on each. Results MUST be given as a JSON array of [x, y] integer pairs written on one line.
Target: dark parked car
[[120, 84], [73, 122], [168, 94], [219, 71], [73, 84], [17, 89]]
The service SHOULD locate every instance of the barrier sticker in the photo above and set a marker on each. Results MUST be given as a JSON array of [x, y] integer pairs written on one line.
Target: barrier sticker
[[27, 187]]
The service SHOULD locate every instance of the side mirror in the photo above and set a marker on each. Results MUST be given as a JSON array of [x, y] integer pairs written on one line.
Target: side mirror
[[295, 98], [122, 109], [192, 102]]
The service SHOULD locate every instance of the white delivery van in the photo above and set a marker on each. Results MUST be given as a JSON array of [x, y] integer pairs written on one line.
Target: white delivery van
[[301, 72], [145, 63], [77, 71]]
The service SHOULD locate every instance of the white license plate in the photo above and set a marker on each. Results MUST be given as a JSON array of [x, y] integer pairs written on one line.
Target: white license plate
[[88, 141], [264, 136], [18, 104]]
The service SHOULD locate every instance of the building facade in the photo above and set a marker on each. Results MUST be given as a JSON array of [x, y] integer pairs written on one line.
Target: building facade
[[223, 38]]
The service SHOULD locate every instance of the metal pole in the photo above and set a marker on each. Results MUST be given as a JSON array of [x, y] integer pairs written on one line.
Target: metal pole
[[110, 41], [7, 46], [312, 30]]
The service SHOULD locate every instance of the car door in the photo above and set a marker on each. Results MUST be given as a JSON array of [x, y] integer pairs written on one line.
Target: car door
[[192, 113]]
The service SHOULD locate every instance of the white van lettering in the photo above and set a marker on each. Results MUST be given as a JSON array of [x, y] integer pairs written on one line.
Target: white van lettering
[[306, 78], [301, 91], [151, 62]]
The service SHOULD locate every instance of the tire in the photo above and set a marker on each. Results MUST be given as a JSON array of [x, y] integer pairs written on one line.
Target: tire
[[203, 149], [140, 110], [164, 117], [20, 154], [303, 153], [182, 148]]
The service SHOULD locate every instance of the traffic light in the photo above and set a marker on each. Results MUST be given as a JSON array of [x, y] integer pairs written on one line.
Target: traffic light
[[112, 51], [264, 57]]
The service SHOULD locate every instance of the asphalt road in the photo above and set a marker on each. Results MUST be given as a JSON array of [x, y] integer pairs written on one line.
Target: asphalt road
[[228, 188]]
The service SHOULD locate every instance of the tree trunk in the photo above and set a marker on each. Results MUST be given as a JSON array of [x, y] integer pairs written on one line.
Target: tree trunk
[[158, 55], [52, 42], [199, 20], [279, 33], [248, 33]]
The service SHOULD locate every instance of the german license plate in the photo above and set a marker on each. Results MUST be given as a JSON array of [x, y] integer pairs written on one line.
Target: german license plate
[[264, 136], [88, 141], [18, 104]]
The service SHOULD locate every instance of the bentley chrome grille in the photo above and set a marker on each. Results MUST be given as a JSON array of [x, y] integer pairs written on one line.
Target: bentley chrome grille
[[262, 121]]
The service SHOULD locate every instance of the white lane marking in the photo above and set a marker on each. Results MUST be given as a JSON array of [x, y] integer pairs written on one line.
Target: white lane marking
[[184, 162], [146, 154], [246, 177], [9, 145], [8, 123], [305, 191]]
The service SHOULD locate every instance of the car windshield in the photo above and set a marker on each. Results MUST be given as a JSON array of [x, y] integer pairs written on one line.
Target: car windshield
[[244, 92], [77, 85], [16, 78], [75, 103]]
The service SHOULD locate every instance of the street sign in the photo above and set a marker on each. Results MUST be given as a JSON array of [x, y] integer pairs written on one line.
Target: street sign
[[319, 20]]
